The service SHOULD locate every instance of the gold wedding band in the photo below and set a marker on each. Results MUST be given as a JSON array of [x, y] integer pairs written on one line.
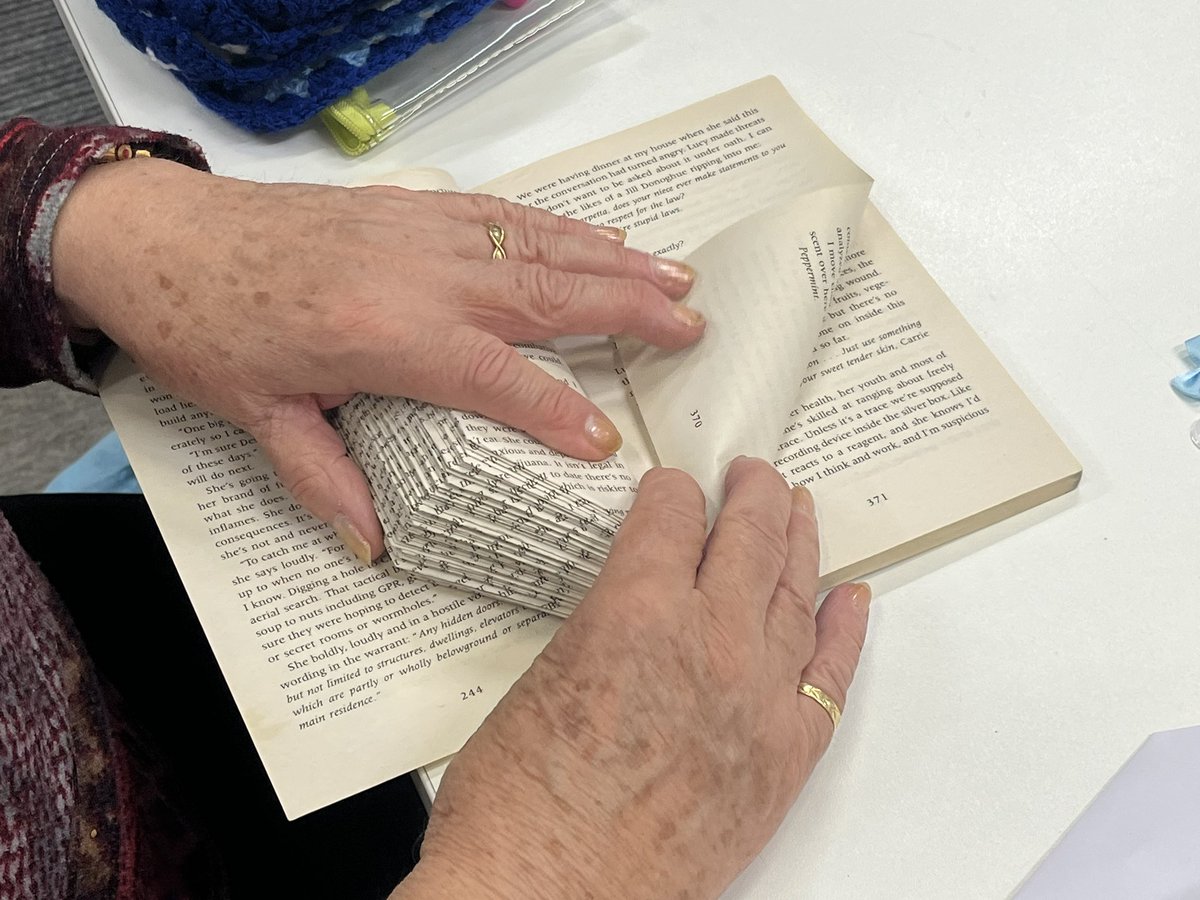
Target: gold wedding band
[[827, 703], [496, 233]]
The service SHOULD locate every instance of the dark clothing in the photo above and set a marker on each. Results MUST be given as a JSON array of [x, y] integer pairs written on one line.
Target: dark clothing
[[194, 769]]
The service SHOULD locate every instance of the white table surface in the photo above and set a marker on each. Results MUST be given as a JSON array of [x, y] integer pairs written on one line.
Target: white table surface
[[1041, 160]]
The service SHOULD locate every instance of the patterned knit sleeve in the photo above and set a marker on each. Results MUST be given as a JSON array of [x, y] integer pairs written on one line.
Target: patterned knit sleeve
[[38, 167]]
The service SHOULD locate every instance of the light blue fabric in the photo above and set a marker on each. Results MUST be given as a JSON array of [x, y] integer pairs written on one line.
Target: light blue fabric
[[104, 469], [1188, 384]]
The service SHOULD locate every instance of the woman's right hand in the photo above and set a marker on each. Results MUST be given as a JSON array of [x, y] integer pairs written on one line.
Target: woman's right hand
[[267, 304], [656, 744]]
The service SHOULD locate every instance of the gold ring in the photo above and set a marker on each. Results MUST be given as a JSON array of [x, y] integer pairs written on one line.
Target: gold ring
[[827, 702], [496, 233]]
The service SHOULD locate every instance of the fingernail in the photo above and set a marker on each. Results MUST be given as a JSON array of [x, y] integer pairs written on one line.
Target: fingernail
[[804, 498], [352, 538], [671, 273], [610, 233], [602, 433], [690, 317], [861, 596]]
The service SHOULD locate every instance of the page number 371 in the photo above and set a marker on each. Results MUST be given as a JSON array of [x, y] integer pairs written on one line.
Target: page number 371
[[877, 499]]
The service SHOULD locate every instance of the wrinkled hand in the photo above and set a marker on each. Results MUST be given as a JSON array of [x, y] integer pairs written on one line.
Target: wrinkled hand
[[656, 744], [269, 304]]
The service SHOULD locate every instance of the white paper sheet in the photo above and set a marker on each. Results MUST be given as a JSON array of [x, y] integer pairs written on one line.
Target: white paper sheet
[[1140, 837]]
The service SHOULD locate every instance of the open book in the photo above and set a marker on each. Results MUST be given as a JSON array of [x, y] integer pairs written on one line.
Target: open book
[[829, 350]]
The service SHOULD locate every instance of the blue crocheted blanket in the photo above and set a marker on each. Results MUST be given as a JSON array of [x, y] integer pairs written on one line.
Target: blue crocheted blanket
[[270, 64]]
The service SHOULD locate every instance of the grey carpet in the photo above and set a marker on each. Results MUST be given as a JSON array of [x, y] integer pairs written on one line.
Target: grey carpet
[[44, 427]]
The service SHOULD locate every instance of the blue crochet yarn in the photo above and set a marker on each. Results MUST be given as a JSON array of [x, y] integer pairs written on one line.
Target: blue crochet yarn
[[267, 65]]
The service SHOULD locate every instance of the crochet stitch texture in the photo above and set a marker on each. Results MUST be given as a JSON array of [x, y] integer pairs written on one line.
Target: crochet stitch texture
[[267, 65]]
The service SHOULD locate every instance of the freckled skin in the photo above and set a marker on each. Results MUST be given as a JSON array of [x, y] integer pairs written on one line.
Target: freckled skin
[[406, 312], [660, 730]]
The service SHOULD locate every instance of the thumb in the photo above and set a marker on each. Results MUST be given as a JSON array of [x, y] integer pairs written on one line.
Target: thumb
[[311, 461]]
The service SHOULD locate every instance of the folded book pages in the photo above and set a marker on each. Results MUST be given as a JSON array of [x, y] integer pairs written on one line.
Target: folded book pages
[[484, 508]]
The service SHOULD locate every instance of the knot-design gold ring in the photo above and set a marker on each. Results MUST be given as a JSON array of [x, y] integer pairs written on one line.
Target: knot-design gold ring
[[496, 233], [827, 702]]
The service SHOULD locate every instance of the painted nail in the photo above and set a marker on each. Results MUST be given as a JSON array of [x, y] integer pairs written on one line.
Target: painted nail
[[602, 434], [671, 273], [804, 498], [861, 596], [690, 317], [610, 233], [352, 538]]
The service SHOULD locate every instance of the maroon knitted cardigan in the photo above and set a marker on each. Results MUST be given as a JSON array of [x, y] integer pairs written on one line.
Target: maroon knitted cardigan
[[73, 814]]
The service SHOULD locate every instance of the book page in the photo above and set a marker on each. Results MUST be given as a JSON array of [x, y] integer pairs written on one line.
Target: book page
[[766, 285], [906, 428], [677, 181], [327, 659], [897, 392]]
